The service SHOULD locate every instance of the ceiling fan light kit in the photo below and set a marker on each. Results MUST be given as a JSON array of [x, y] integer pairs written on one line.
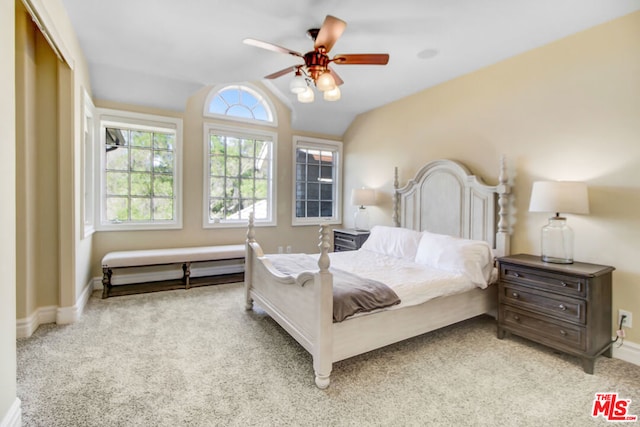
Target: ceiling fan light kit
[[332, 95], [306, 96], [325, 82], [298, 84], [316, 68]]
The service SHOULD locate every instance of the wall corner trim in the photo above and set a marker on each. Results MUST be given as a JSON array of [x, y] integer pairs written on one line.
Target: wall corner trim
[[13, 418]]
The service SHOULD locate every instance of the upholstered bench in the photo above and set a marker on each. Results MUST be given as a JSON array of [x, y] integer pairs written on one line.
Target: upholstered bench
[[158, 257]]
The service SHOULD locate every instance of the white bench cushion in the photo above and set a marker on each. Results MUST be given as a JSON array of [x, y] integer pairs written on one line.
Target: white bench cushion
[[171, 256]]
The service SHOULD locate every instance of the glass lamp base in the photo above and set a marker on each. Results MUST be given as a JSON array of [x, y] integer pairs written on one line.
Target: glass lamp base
[[557, 241], [555, 260], [361, 219]]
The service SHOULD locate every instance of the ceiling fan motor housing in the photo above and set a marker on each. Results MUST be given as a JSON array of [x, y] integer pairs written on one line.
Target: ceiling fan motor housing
[[316, 62]]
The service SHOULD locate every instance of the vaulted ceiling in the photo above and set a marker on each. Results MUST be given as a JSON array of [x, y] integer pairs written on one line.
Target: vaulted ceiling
[[159, 52]]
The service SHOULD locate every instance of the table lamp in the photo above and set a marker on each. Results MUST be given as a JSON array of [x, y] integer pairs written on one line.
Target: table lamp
[[362, 197], [559, 197]]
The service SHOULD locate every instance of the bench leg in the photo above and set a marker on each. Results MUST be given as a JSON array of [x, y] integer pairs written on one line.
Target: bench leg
[[186, 269], [106, 281]]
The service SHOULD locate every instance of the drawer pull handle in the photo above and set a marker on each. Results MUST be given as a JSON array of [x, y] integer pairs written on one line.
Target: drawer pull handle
[[515, 295], [563, 332], [516, 318], [564, 284], [562, 307], [516, 274]]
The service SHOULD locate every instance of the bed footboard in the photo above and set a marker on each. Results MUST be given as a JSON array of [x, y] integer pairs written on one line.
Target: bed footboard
[[302, 305]]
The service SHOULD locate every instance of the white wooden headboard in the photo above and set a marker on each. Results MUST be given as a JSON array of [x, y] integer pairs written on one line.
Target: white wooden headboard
[[444, 197]]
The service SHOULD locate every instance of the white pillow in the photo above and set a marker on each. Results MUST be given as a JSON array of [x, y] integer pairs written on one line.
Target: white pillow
[[394, 241], [472, 258]]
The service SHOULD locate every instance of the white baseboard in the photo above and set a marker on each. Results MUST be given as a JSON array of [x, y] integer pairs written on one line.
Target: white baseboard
[[26, 327], [628, 351], [13, 418], [67, 315], [53, 314]]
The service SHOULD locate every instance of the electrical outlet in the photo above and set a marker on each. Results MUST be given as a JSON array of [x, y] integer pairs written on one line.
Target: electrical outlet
[[627, 320], [288, 249], [279, 249]]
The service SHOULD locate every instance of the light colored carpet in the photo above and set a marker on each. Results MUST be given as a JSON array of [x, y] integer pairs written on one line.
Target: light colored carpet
[[196, 358]]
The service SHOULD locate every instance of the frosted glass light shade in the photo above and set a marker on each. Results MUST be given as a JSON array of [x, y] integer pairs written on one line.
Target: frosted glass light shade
[[332, 95], [325, 82], [306, 96], [298, 84]]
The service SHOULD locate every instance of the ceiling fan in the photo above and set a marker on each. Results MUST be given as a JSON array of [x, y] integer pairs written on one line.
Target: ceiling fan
[[316, 62]]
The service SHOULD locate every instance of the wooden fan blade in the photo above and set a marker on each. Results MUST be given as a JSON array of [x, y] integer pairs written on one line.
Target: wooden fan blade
[[362, 58], [335, 76], [270, 46], [331, 30], [280, 73]]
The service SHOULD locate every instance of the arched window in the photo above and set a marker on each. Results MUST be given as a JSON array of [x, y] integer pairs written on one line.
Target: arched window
[[242, 103]]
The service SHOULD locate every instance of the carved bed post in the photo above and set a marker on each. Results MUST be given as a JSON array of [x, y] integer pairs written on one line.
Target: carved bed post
[[323, 350], [395, 216], [248, 263], [503, 242]]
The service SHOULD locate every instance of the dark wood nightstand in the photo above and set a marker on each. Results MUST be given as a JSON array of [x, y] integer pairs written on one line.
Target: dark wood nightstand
[[563, 306], [348, 239]]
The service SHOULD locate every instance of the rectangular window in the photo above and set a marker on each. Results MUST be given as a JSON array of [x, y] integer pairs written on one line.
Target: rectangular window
[[88, 167], [239, 178], [141, 171], [317, 181]]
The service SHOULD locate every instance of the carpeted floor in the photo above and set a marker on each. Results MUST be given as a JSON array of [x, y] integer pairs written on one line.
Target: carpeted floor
[[196, 358]]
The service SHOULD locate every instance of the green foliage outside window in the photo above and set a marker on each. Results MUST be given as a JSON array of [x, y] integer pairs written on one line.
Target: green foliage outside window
[[139, 175], [239, 183]]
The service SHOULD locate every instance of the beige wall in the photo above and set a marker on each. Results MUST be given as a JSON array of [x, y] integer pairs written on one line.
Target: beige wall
[[569, 110], [301, 238], [8, 391], [53, 263]]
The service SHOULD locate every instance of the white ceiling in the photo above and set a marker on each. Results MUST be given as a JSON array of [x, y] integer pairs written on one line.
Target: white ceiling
[[159, 52]]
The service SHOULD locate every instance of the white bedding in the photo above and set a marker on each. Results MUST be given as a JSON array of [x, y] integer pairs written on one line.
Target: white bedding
[[413, 283]]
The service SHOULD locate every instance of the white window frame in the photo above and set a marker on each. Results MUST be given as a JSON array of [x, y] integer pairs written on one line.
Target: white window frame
[[241, 133], [88, 154], [318, 144], [253, 90], [109, 117]]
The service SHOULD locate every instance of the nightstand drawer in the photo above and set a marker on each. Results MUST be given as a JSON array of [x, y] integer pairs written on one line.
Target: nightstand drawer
[[545, 280], [348, 240], [345, 242], [531, 326], [573, 310]]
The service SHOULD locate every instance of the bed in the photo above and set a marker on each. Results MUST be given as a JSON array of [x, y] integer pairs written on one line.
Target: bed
[[444, 199]]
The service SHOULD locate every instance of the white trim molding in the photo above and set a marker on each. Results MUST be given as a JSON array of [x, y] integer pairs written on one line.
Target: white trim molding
[[27, 326], [628, 351], [54, 314], [13, 418]]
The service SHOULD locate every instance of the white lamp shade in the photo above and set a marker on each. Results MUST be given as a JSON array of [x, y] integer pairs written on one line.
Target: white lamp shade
[[325, 82], [363, 196], [306, 96], [332, 95], [560, 197]]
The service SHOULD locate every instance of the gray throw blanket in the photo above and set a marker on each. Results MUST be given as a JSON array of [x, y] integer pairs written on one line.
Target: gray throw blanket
[[351, 294]]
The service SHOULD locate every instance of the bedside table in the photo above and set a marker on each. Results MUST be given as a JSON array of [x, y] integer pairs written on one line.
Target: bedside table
[[563, 306], [348, 239]]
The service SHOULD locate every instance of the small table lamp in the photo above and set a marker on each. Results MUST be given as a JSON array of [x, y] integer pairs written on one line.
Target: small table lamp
[[558, 196], [362, 197]]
